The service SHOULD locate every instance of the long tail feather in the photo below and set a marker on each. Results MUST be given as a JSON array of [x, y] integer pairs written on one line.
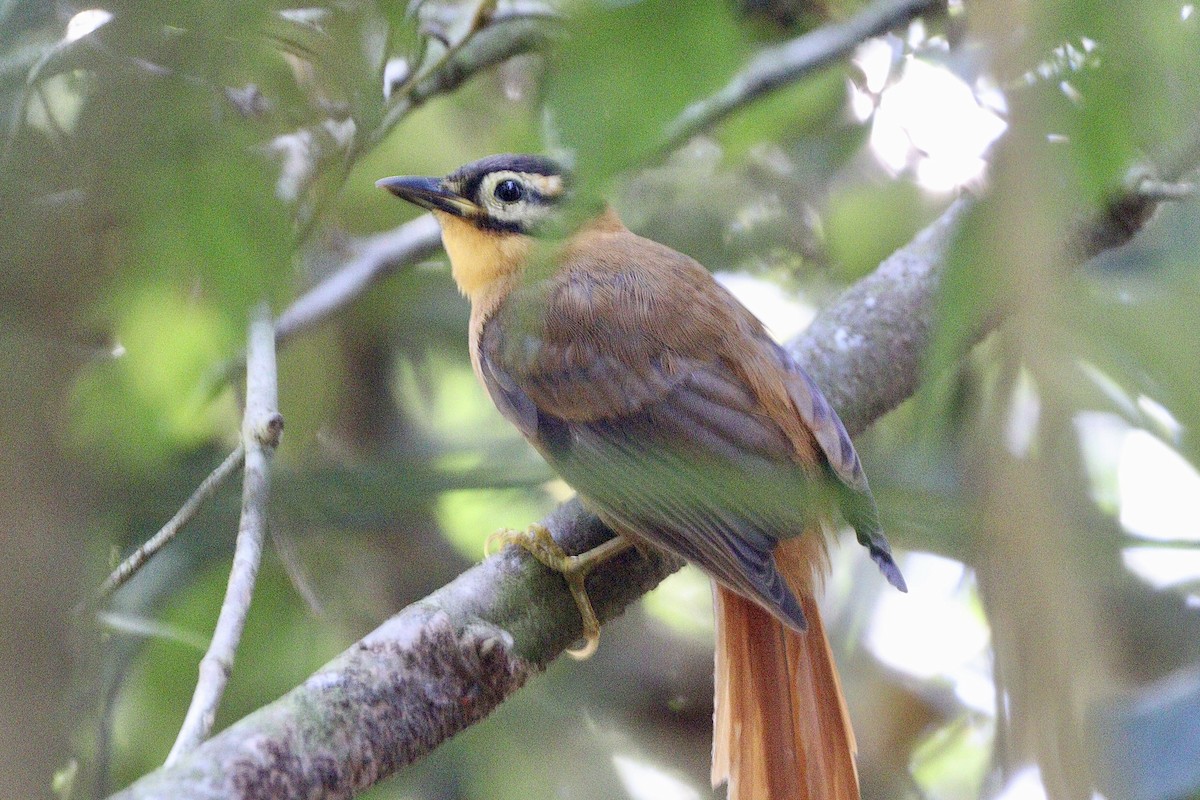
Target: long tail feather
[[781, 731]]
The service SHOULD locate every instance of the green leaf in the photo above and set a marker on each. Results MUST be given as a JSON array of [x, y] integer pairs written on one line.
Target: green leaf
[[868, 222]]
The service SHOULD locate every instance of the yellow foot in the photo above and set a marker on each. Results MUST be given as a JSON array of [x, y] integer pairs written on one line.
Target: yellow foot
[[536, 539]]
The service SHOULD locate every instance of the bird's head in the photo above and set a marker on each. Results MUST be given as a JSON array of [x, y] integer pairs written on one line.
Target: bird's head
[[487, 209], [503, 194]]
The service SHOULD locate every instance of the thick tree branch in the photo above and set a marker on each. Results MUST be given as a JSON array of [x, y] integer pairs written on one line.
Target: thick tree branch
[[428, 672], [865, 350]]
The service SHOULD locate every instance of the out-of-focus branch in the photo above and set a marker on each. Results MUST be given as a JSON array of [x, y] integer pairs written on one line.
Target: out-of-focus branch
[[1126, 213], [790, 61], [1147, 186], [376, 257], [262, 426], [499, 38]]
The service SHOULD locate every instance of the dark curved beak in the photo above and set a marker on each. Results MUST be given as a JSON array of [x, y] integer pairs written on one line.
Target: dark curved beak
[[429, 193]]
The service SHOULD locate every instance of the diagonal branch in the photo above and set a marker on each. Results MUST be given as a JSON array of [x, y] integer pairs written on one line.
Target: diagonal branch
[[167, 533], [429, 672], [791, 61], [376, 257]]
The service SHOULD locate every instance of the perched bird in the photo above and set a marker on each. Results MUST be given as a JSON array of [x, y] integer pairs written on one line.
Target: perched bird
[[664, 402]]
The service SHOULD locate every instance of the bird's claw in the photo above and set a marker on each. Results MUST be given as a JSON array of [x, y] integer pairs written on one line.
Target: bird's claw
[[537, 541]]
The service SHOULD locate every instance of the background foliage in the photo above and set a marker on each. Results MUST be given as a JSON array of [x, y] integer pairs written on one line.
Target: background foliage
[[181, 162]]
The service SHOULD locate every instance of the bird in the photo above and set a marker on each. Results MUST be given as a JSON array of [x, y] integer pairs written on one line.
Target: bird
[[678, 420]]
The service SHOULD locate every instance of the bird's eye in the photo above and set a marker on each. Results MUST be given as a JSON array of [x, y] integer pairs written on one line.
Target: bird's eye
[[509, 191]]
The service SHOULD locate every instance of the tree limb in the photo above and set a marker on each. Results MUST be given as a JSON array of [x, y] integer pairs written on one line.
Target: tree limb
[[432, 670], [377, 257], [865, 349]]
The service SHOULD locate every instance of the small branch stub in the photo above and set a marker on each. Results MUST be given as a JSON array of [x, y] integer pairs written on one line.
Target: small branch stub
[[269, 434]]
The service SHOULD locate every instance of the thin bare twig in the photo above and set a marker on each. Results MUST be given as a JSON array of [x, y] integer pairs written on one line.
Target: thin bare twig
[[790, 61], [262, 426], [377, 257], [169, 531]]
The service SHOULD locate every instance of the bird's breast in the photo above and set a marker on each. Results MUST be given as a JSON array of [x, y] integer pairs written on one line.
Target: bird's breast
[[479, 257]]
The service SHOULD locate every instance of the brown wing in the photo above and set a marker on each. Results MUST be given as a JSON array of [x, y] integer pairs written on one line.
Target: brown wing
[[631, 377]]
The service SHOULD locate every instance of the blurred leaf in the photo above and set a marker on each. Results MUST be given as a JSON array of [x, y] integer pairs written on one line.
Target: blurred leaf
[[213, 225], [866, 223], [142, 406], [1132, 307], [1131, 101], [968, 291], [469, 516], [952, 761], [684, 602], [628, 68]]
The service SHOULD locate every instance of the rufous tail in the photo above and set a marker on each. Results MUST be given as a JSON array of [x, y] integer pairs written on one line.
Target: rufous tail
[[780, 727]]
